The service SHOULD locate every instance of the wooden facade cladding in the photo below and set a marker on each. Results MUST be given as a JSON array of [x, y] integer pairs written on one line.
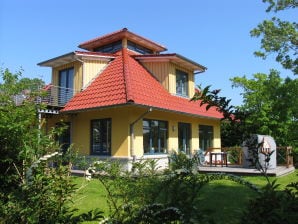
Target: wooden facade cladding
[[91, 68], [84, 72], [165, 72], [159, 70]]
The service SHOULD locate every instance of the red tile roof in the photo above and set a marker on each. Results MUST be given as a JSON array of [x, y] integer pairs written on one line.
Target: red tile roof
[[125, 81]]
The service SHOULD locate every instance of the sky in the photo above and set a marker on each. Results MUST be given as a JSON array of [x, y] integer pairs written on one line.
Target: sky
[[212, 33]]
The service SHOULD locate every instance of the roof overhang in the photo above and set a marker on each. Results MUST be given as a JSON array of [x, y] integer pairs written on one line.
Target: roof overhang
[[132, 104], [75, 56], [119, 35], [174, 58]]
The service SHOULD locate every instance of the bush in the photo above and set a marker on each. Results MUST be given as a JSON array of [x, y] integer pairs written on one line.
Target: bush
[[272, 206]]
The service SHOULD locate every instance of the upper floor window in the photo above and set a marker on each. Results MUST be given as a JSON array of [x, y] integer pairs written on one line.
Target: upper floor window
[[110, 48], [138, 48], [155, 134], [65, 85], [181, 83], [101, 137], [205, 137]]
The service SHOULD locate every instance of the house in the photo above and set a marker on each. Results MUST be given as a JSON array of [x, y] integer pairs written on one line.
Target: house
[[122, 98]]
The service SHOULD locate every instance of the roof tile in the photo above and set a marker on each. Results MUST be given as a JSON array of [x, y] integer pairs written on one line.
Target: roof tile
[[126, 80]]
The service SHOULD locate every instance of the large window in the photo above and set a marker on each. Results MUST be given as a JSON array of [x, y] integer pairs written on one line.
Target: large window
[[110, 48], [138, 48], [155, 135], [66, 86], [205, 136], [181, 83], [101, 137]]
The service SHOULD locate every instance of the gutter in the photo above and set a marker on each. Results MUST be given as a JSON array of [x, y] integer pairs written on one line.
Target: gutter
[[132, 134]]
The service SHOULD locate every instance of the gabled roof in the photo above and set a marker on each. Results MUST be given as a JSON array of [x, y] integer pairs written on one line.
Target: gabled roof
[[126, 81], [119, 35]]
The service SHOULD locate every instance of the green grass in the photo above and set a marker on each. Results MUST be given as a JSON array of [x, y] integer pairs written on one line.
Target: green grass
[[282, 181], [221, 199], [90, 195]]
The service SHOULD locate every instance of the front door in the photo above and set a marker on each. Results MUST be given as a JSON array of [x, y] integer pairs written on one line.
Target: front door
[[184, 136]]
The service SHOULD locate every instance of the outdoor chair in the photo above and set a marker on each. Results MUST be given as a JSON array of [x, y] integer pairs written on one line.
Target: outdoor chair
[[200, 156]]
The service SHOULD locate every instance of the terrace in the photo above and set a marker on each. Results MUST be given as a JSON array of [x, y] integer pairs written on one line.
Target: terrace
[[232, 162]]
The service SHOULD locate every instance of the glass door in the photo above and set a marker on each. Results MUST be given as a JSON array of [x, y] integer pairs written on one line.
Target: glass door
[[65, 86], [184, 136], [205, 136]]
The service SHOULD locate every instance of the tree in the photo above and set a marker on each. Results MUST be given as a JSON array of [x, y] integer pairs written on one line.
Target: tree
[[271, 105], [32, 190], [280, 37], [18, 132]]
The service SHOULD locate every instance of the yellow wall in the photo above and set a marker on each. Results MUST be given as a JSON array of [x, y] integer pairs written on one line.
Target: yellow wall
[[173, 120], [122, 118]]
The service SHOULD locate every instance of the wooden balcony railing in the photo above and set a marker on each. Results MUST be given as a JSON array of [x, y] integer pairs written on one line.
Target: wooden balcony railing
[[284, 156]]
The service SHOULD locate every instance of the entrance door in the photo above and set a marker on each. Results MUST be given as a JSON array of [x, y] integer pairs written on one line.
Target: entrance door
[[184, 136]]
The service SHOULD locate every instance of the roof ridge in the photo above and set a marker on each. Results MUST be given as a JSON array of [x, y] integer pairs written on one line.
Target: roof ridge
[[127, 78]]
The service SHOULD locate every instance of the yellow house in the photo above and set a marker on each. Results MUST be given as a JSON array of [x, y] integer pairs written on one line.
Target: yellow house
[[124, 99]]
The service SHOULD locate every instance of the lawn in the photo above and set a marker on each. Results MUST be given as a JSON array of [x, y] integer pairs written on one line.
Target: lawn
[[222, 199]]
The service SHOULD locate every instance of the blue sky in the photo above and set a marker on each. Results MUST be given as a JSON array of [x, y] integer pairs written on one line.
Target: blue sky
[[212, 33]]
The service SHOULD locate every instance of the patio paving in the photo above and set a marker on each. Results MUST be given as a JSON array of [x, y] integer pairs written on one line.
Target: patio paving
[[238, 170]]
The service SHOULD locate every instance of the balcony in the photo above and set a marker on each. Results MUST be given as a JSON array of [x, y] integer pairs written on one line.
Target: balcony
[[55, 96]]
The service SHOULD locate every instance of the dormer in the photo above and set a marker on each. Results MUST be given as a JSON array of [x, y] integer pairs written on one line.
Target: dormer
[[113, 42], [175, 72]]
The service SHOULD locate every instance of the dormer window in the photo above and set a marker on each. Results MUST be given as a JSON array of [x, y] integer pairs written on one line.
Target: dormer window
[[181, 83]]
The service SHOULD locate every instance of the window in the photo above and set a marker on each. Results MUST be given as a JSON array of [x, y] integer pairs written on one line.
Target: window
[[138, 48], [181, 83], [64, 138], [184, 136], [110, 48], [155, 135], [205, 137], [66, 86], [101, 137]]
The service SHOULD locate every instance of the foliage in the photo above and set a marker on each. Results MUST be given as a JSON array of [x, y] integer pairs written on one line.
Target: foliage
[[271, 105], [280, 37], [277, 5], [233, 125], [269, 108], [35, 175], [272, 206], [181, 162], [143, 196]]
